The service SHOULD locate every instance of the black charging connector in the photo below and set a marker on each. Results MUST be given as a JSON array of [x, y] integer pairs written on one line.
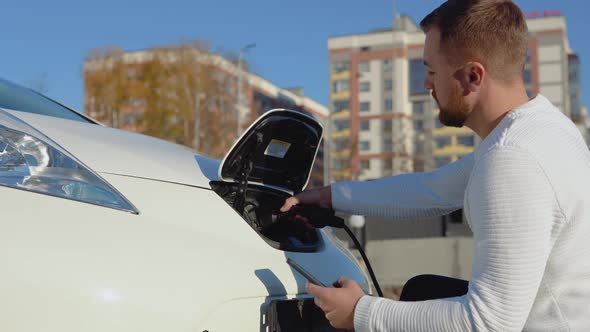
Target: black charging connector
[[320, 217]]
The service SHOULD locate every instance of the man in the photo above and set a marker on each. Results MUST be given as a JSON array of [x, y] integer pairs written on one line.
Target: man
[[524, 191]]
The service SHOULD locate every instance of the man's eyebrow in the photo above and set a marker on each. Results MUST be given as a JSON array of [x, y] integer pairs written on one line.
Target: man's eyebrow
[[426, 63]]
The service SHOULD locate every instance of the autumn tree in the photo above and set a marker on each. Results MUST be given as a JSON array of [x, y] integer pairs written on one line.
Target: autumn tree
[[105, 87], [184, 94]]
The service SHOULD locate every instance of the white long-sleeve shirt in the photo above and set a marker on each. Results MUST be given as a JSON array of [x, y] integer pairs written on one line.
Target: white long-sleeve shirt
[[525, 191]]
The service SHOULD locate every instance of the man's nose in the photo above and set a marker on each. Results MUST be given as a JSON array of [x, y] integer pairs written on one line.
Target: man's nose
[[427, 84]]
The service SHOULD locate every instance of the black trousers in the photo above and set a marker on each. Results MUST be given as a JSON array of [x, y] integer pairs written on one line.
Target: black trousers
[[430, 287]]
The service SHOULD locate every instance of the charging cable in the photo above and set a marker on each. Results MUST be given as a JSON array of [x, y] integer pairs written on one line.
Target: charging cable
[[320, 217]]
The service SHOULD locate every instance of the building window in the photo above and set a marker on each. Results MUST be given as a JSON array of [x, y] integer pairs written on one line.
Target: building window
[[417, 77], [364, 145], [341, 125], [388, 107], [388, 84], [441, 161], [466, 140], [388, 165], [341, 164], [341, 105], [365, 165], [340, 86], [387, 145], [340, 66], [365, 125], [365, 106], [418, 125], [418, 108], [387, 124], [364, 67], [365, 86], [341, 144], [387, 67], [442, 141]]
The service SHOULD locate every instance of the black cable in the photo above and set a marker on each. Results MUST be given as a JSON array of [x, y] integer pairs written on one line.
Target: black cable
[[365, 259], [319, 218]]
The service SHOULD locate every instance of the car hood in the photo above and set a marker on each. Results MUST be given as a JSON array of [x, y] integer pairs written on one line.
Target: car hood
[[115, 151]]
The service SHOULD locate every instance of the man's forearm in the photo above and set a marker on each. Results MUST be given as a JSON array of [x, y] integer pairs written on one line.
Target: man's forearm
[[413, 195]]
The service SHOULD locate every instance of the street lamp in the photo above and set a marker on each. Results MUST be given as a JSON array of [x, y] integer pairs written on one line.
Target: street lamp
[[239, 97]]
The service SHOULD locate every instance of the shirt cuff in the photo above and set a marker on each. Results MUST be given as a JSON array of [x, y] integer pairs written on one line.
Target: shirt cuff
[[362, 313], [341, 196]]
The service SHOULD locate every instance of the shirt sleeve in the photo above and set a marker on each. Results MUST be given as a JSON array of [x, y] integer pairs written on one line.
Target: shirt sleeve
[[413, 195], [513, 212]]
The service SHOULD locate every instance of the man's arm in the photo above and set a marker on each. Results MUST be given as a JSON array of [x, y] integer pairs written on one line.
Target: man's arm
[[514, 213], [412, 195]]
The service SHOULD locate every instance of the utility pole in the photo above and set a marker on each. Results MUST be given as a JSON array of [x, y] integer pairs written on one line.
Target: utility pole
[[239, 95]]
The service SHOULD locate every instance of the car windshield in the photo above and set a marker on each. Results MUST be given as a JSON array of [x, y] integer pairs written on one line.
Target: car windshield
[[18, 98]]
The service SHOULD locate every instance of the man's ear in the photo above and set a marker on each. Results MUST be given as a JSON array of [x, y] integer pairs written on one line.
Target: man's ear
[[471, 76], [475, 74]]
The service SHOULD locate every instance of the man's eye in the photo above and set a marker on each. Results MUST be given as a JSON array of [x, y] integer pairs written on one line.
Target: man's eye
[[430, 72]]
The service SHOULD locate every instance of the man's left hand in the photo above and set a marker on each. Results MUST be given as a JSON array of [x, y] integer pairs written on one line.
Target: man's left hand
[[337, 303]]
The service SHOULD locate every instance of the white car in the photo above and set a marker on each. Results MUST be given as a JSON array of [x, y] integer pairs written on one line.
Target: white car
[[108, 230]]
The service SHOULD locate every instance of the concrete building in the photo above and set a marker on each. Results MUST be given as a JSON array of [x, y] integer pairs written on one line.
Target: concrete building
[[258, 95]]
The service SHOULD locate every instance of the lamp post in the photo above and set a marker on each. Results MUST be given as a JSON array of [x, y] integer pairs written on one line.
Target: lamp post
[[239, 97]]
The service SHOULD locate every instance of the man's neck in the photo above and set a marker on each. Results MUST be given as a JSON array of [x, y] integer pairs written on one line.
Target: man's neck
[[498, 101]]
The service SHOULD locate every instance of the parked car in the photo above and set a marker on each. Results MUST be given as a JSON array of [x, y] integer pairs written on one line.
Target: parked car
[[108, 230]]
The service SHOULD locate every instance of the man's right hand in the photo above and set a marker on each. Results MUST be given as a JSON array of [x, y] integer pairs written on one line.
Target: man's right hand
[[321, 197]]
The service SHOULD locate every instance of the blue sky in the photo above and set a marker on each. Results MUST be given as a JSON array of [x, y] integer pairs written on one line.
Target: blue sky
[[47, 41]]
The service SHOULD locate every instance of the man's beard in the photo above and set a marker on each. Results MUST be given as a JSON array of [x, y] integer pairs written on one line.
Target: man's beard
[[456, 111]]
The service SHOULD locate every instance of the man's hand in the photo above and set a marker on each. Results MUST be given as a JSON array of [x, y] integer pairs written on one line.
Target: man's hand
[[337, 303], [321, 197]]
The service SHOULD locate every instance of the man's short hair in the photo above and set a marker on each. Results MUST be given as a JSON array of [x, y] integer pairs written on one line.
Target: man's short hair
[[492, 32]]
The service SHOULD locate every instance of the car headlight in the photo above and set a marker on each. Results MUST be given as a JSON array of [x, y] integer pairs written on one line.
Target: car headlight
[[31, 161]]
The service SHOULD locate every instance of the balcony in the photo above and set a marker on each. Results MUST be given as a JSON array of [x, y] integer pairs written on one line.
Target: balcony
[[344, 114], [345, 153], [340, 76], [341, 133], [341, 95], [443, 131], [453, 150], [343, 174]]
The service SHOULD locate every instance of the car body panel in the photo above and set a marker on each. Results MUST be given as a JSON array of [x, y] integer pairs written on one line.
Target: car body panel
[[81, 267], [185, 262]]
